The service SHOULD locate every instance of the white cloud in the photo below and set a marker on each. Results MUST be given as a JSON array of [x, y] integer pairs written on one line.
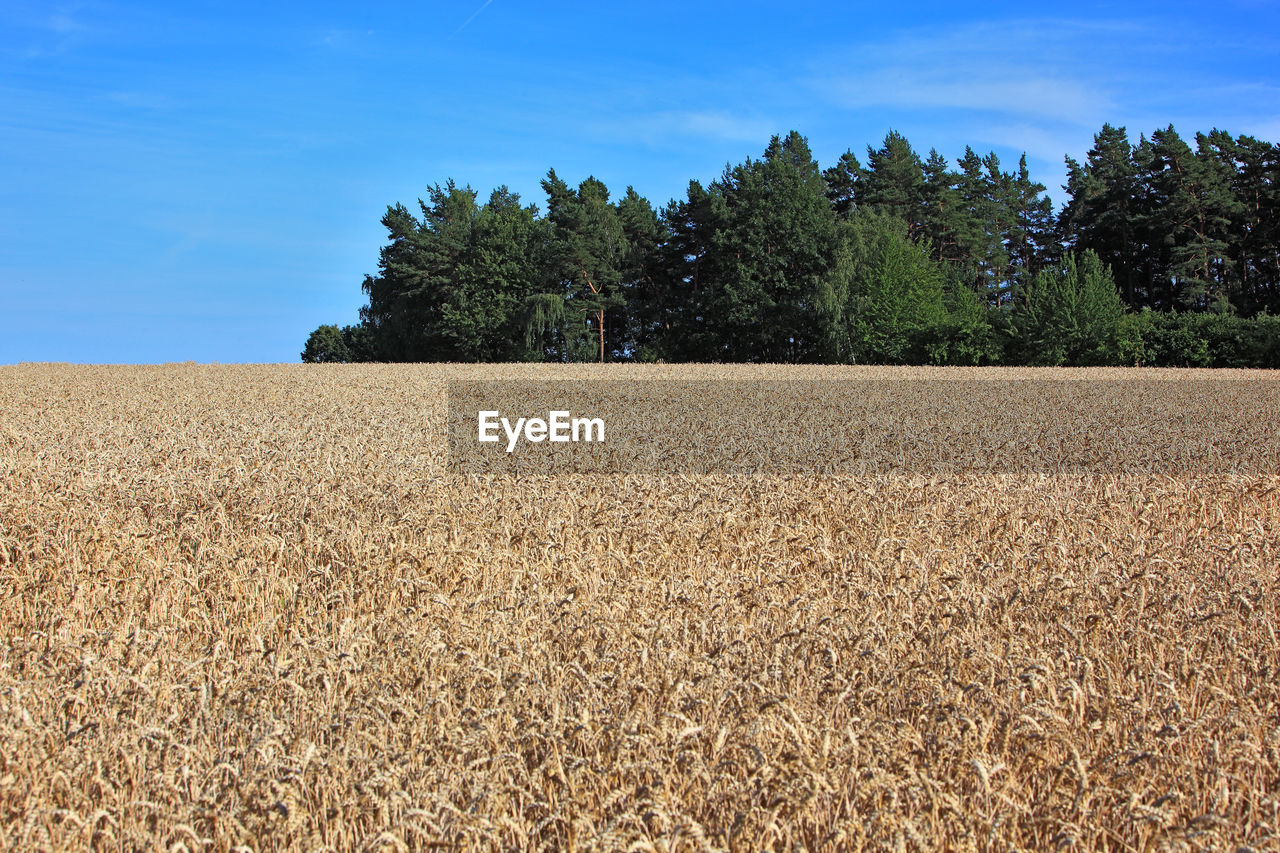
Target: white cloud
[[1040, 70], [720, 125], [659, 127], [1038, 143], [992, 89]]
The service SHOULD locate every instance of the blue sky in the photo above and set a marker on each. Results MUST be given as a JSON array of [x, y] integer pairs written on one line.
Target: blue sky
[[204, 181]]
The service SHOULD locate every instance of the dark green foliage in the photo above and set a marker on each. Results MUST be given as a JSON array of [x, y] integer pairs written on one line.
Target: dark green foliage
[[843, 184], [1186, 339], [452, 286], [689, 268], [588, 253], [503, 262], [1190, 209], [403, 307], [1255, 243], [896, 261], [942, 214], [325, 345], [1104, 212], [982, 225], [770, 293], [1183, 228], [894, 181], [647, 288], [1030, 236], [360, 342]]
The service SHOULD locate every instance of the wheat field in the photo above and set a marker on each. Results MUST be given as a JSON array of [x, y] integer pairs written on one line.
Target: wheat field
[[250, 608]]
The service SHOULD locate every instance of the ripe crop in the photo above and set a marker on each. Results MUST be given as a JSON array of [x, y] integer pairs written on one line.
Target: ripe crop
[[251, 608]]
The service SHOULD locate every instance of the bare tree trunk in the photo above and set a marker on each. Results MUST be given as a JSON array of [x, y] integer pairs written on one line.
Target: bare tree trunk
[[595, 290]]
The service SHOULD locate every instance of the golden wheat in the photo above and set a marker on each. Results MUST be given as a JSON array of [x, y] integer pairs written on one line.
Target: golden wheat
[[249, 608]]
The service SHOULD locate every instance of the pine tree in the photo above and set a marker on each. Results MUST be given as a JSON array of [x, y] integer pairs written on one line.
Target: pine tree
[[589, 253], [770, 262], [843, 181], [504, 263], [773, 249], [646, 287], [1256, 243], [1103, 212], [418, 271], [998, 223], [1031, 243], [1191, 209], [692, 269], [941, 210], [894, 180], [974, 223]]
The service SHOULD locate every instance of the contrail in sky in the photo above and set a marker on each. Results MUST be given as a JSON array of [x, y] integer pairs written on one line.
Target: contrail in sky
[[484, 6]]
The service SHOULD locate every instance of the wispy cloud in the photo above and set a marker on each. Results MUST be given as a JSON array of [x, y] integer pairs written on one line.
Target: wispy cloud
[[662, 127], [720, 125], [1020, 69], [999, 90], [342, 38], [1046, 86], [140, 100], [1038, 143], [38, 33], [1267, 127], [63, 23]]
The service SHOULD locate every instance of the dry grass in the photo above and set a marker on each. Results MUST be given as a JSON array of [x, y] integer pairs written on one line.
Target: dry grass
[[245, 608]]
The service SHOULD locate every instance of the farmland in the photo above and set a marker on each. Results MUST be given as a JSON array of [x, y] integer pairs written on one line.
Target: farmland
[[250, 607]]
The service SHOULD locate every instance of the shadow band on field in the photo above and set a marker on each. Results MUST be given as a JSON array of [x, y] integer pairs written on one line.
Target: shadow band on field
[[860, 427]]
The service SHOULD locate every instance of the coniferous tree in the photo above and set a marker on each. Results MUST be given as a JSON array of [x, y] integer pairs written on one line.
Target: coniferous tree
[[505, 260], [843, 184], [894, 180], [1257, 244], [941, 210], [772, 262], [1103, 212], [589, 252], [1219, 222], [416, 275], [646, 286], [1031, 243], [774, 246], [1190, 206], [692, 269], [998, 223], [976, 226]]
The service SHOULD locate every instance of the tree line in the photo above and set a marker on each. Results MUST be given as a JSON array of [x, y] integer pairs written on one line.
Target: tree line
[[1162, 254]]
